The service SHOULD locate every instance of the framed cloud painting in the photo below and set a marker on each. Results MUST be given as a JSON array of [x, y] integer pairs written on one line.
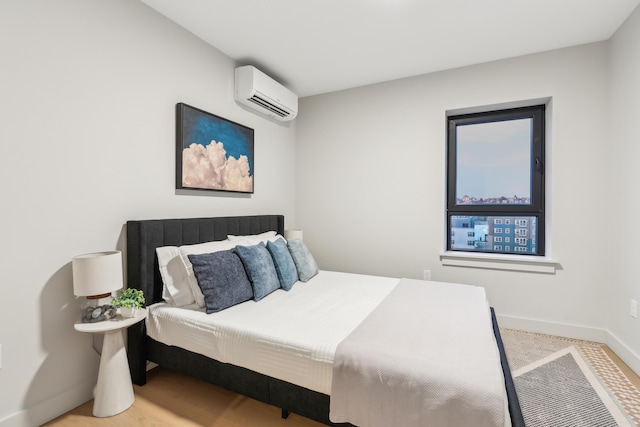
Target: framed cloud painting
[[212, 153]]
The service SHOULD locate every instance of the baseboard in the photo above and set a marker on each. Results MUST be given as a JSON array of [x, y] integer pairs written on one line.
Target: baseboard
[[43, 412], [553, 328], [604, 336], [627, 355]]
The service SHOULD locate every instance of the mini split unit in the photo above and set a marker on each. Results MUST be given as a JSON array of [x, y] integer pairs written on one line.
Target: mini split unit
[[260, 92]]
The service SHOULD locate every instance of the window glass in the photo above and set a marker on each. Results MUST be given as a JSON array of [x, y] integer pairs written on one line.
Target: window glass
[[494, 163], [487, 239]]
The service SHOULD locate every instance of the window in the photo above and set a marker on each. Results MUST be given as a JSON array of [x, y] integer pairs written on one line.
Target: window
[[495, 175]]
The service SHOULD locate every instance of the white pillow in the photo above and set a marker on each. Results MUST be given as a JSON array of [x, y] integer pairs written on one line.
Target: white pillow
[[203, 248], [175, 289], [254, 239]]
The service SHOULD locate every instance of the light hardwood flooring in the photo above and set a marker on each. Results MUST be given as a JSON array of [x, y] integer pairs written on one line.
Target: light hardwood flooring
[[173, 399], [626, 370]]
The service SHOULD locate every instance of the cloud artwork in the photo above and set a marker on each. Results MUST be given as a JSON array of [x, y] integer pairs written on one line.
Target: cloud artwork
[[213, 153], [209, 167]]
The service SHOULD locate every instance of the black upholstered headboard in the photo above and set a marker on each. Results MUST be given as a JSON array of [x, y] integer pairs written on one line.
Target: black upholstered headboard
[[143, 237]]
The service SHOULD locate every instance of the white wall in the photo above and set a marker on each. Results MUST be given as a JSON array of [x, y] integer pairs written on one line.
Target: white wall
[[371, 181], [86, 143], [624, 191]]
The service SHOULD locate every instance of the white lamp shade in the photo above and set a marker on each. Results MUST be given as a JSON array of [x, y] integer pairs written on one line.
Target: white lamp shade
[[97, 273], [293, 234]]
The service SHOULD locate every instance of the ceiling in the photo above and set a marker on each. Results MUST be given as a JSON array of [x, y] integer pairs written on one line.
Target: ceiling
[[320, 46]]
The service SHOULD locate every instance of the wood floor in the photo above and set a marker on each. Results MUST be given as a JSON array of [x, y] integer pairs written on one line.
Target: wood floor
[[172, 399], [626, 370]]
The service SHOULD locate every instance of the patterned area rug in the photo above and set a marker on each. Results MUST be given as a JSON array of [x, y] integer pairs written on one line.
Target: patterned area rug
[[565, 382]]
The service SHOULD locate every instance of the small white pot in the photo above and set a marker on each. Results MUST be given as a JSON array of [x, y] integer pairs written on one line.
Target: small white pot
[[128, 311]]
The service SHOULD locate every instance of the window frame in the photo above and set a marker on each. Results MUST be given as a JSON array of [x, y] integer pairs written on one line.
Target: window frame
[[536, 208]]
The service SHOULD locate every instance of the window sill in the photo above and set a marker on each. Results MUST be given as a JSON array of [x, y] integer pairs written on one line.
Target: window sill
[[533, 264]]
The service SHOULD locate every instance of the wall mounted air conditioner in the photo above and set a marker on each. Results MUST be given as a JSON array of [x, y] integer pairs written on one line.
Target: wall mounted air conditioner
[[260, 92]]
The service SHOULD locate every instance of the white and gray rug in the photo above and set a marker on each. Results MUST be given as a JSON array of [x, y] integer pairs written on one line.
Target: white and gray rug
[[556, 384]]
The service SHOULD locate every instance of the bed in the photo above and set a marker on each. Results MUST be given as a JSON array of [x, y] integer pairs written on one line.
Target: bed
[[288, 389]]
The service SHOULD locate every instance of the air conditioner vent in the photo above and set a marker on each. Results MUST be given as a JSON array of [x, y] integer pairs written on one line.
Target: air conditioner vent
[[269, 106]]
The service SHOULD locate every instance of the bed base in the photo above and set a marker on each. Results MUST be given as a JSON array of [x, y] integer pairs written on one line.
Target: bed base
[[142, 273]]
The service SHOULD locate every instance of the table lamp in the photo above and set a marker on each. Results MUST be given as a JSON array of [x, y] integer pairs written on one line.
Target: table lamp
[[95, 276]]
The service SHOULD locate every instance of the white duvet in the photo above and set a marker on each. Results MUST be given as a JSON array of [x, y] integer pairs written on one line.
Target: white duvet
[[290, 335]]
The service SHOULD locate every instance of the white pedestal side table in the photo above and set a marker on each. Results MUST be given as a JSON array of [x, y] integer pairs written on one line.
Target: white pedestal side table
[[114, 391]]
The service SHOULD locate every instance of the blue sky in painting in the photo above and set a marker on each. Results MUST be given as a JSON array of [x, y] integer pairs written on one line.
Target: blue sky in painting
[[494, 159], [201, 129]]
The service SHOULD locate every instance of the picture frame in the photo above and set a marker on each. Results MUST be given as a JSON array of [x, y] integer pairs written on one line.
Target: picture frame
[[212, 153]]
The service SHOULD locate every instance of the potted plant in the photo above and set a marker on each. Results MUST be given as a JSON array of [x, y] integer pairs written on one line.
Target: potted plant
[[128, 301]]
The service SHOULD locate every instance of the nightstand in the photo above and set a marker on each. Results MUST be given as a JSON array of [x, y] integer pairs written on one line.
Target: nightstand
[[114, 391]]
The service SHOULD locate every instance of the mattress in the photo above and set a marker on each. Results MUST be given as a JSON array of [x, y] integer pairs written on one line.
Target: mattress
[[291, 335]]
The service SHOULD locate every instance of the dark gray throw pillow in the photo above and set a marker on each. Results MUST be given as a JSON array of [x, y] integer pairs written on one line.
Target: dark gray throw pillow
[[285, 267], [259, 267], [222, 278], [305, 263]]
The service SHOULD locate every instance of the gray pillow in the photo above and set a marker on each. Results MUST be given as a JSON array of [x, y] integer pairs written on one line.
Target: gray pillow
[[222, 278], [305, 264], [285, 267], [259, 267]]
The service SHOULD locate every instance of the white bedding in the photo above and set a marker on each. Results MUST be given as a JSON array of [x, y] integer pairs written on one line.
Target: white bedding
[[426, 356], [291, 335]]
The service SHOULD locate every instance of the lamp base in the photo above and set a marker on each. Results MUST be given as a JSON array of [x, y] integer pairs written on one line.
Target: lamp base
[[97, 308]]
